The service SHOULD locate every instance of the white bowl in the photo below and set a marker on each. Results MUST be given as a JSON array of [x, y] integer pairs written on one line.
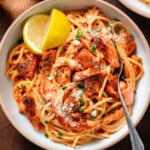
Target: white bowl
[[9, 105], [138, 7]]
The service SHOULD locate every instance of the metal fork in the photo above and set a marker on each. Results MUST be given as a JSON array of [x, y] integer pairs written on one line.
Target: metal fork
[[136, 141]]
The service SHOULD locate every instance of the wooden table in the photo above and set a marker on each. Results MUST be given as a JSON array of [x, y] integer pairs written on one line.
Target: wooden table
[[11, 139]]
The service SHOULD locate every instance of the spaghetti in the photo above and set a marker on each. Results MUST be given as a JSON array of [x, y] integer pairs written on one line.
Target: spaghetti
[[70, 92]]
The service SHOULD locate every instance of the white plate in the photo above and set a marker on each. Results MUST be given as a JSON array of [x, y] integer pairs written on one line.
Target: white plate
[[138, 7], [9, 105]]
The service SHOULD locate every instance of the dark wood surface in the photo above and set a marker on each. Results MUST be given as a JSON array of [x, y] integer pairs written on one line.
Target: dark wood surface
[[11, 139]]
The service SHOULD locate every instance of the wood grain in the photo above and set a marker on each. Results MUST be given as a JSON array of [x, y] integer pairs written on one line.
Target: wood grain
[[11, 139]]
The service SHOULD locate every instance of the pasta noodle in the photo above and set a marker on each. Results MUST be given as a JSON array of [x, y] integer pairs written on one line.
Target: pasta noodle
[[70, 92]]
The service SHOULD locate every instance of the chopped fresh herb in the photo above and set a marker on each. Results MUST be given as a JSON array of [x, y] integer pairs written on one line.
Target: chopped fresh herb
[[123, 76], [86, 10], [116, 19], [46, 122], [18, 87], [67, 76], [92, 118], [83, 90], [132, 36], [88, 32], [112, 111], [82, 85], [64, 87], [108, 94], [79, 35], [80, 109], [46, 74], [62, 50], [44, 102], [24, 87], [81, 102], [20, 41], [55, 74], [46, 135], [99, 112], [93, 48], [99, 30], [96, 67], [33, 121], [60, 134], [107, 25], [62, 70]]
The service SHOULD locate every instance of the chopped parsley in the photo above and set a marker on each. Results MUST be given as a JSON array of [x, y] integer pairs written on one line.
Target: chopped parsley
[[93, 48], [24, 87], [33, 121], [96, 67], [66, 76], [112, 111], [123, 76], [81, 102], [116, 19], [46, 122], [132, 36], [64, 87], [92, 118], [80, 109], [46, 135], [46, 74], [62, 70], [99, 112], [62, 50], [107, 25], [79, 35], [99, 30], [55, 74], [60, 134], [86, 10], [18, 87], [108, 94], [44, 102], [82, 85]]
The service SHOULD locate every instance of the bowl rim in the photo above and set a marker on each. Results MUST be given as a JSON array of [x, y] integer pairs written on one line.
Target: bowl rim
[[138, 31], [135, 9]]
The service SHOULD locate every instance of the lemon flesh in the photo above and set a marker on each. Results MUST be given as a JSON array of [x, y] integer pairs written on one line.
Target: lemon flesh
[[58, 30]]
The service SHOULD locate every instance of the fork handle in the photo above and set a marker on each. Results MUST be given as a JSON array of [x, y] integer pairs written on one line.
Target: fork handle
[[136, 141]]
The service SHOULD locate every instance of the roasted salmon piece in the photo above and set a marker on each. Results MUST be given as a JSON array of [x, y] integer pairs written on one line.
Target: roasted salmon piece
[[81, 75], [92, 85], [48, 59], [126, 42], [111, 87], [85, 59], [63, 75], [28, 68], [106, 46], [29, 106]]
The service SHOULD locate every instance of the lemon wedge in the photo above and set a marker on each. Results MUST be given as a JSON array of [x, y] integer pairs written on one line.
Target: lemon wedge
[[34, 32], [58, 30]]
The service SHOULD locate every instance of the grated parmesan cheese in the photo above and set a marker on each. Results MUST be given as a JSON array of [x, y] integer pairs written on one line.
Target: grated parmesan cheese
[[77, 42], [94, 113]]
